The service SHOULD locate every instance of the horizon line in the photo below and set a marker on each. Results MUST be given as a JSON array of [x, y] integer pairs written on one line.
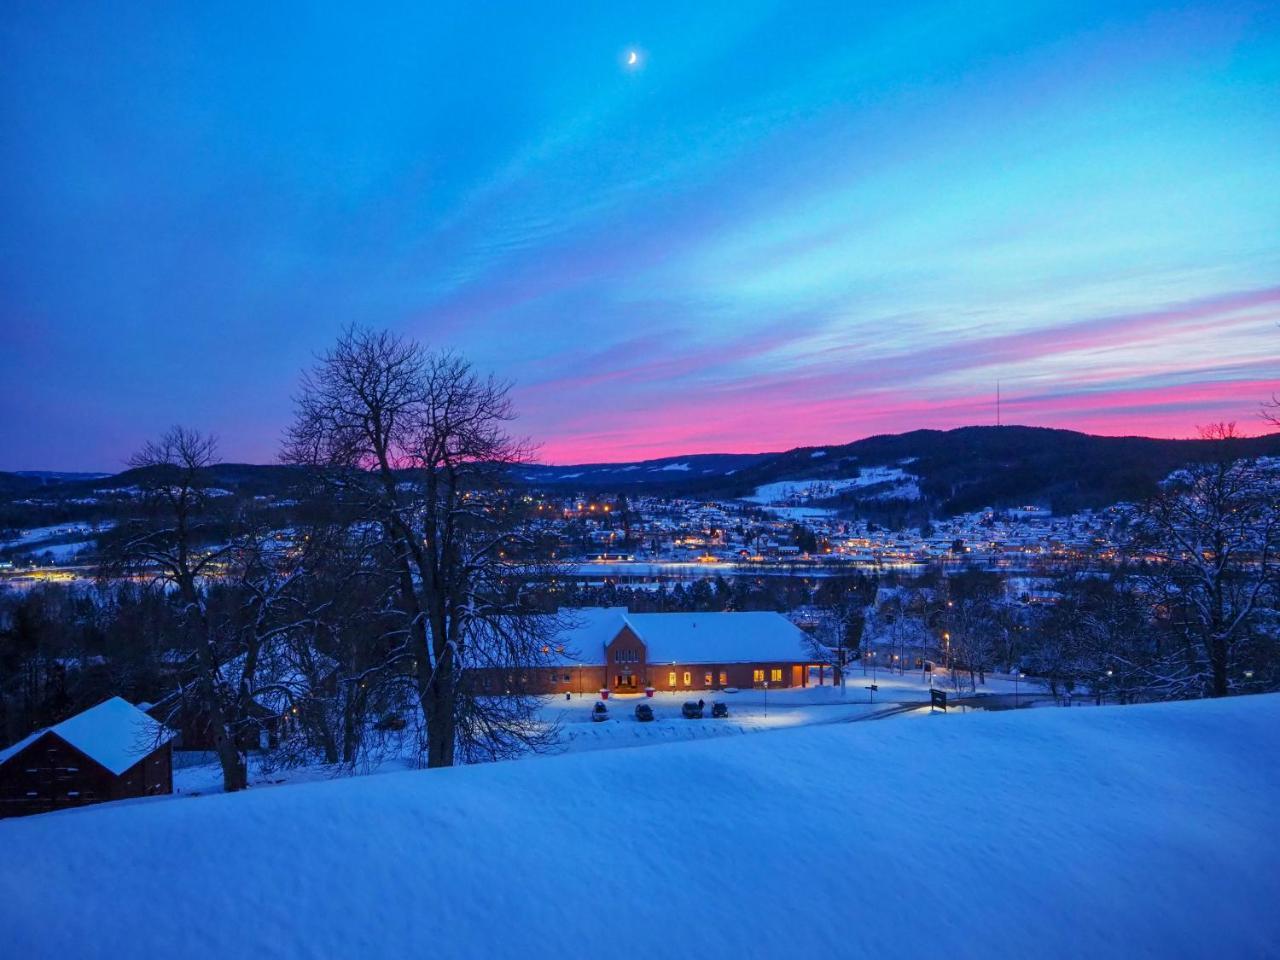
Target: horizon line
[[716, 453]]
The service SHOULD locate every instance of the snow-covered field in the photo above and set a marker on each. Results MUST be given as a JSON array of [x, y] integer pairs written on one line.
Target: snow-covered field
[[1114, 832], [750, 711], [782, 492], [37, 539]]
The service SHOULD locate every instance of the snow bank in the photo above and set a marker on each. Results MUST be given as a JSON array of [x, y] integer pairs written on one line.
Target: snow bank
[[1128, 831]]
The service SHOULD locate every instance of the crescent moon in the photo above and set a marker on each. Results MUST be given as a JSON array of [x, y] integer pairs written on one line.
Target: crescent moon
[[632, 58]]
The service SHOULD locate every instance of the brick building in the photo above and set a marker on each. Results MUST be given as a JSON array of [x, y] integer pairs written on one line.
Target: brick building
[[623, 652]]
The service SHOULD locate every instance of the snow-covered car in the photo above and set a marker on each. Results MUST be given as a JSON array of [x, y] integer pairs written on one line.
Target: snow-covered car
[[719, 709], [644, 712], [692, 710], [599, 712]]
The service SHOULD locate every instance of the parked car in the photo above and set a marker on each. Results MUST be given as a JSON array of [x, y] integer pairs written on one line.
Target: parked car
[[599, 712], [691, 710], [719, 709], [644, 712]]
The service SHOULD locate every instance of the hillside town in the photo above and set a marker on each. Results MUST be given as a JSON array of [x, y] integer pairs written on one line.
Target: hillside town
[[623, 537]]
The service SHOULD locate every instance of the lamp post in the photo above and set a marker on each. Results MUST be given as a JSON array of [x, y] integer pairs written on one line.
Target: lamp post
[[1016, 675]]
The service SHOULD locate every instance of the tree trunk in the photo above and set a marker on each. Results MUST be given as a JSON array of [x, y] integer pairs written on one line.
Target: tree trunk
[[437, 705], [235, 773], [1218, 666]]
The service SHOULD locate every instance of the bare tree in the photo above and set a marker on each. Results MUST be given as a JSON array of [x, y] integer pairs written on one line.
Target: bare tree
[[1102, 635], [843, 602], [898, 625], [175, 544], [237, 585], [1210, 540], [417, 441], [973, 618]]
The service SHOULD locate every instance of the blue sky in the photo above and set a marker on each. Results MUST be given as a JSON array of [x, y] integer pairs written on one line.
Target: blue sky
[[789, 223]]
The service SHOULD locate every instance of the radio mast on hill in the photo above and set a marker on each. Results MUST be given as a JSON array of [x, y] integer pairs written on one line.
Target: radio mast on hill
[[997, 403]]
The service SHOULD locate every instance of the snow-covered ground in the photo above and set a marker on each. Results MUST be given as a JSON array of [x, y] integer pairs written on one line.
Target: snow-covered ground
[[1119, 832], [36, 540], [898, 484], [62, 552], [750, 711]]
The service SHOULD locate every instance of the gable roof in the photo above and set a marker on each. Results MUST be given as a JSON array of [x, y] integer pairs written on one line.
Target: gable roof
[[585, 633], [686, 637], [115, 734], [719, 637]]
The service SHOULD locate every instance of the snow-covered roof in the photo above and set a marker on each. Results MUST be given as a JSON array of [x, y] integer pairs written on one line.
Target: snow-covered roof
[[586, 632], [689, 637], [719, 637], [115, 734]]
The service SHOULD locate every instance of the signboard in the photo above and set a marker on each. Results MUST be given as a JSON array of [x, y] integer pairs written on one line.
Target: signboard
[[937, 698]]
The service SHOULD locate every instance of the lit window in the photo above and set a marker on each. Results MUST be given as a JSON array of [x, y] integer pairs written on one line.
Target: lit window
[[757, 676], [671, 679], [776, 676], [688, 679], [724, 679], [706, 679]]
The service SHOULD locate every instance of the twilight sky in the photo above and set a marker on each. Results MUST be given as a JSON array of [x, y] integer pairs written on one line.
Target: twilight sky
[[790, 223]]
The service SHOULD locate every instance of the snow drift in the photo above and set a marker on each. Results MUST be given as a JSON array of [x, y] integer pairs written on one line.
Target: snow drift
[[1133, 831]]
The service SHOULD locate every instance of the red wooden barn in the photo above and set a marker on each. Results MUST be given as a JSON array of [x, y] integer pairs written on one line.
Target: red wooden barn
[[108, 752]]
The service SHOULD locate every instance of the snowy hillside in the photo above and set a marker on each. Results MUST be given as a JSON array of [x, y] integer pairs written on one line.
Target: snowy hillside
[[1129, 831], [878, 481]]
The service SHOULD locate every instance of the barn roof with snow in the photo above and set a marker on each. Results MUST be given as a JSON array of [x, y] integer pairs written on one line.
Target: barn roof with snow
[[688, 637], [115, 734]]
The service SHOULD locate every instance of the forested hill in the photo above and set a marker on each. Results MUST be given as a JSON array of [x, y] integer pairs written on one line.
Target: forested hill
[[941, 471], [972, 467], [953, 470]]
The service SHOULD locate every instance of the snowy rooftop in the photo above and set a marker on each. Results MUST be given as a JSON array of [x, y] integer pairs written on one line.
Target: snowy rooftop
[[719, 637], [688, 637], [115, 734]]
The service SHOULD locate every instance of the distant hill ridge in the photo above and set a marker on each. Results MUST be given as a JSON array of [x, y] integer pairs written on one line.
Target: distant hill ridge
[[954, 470]]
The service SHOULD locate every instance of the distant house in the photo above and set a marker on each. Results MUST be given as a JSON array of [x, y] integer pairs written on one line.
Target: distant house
[[609, 648], [109, 752]]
